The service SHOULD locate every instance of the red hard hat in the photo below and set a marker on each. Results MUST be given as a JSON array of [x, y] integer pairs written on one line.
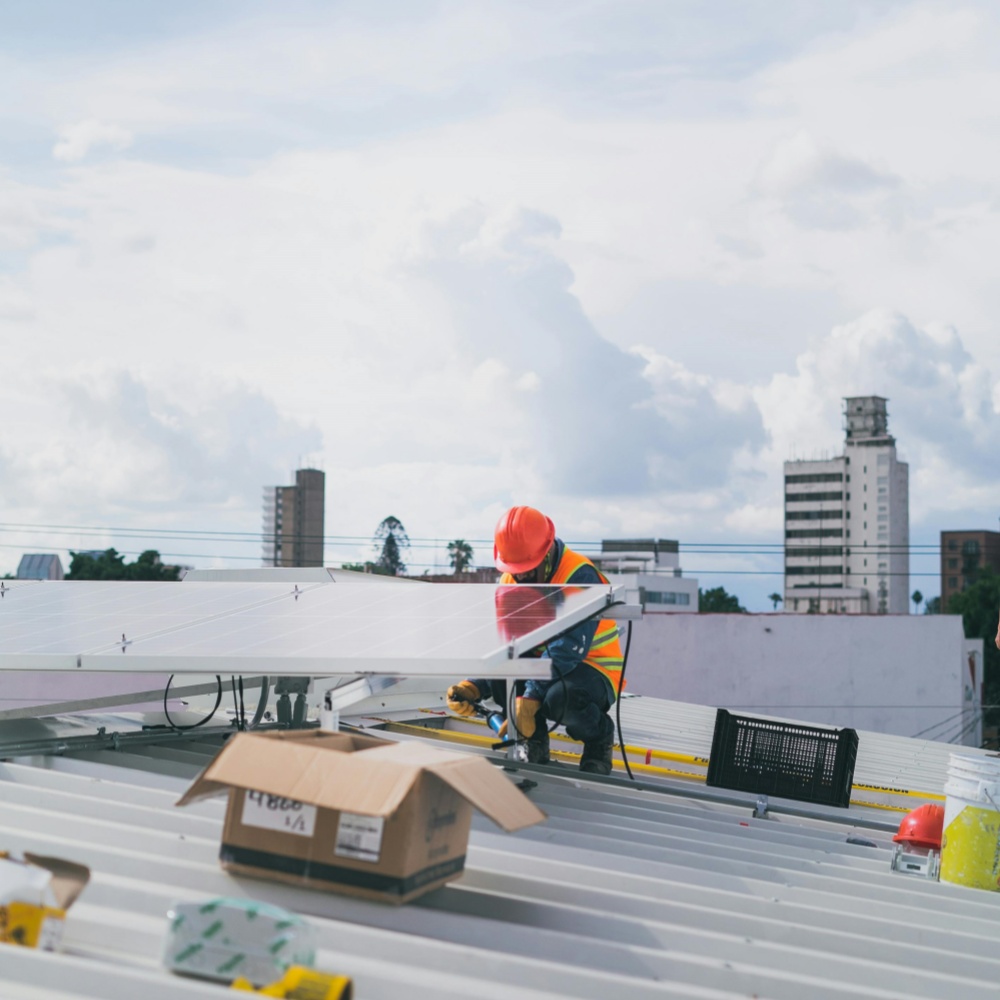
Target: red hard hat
[[922, 827], [522, 538]]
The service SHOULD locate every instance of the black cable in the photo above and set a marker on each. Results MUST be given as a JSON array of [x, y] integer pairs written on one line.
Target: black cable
[[618, 703], [936, 725], [238, 710], [181, 729], [265, 688]]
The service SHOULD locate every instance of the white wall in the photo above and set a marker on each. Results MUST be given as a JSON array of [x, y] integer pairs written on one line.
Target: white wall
[[898, 674]]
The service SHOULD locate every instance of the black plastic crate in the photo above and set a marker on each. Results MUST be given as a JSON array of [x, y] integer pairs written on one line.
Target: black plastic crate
[[782, 758]]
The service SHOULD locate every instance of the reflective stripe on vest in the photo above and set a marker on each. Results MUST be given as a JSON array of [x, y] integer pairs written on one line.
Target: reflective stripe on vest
[[605, 653]]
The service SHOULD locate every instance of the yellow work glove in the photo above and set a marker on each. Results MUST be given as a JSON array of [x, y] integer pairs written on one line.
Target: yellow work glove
[[525, 711], [461, 697]]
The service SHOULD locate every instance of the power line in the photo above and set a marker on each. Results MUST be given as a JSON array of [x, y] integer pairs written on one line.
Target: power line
[[689, 548]]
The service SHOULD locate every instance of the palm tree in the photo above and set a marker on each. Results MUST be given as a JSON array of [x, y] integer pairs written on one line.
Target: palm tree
[[460, 555], [917, 599], [775, 599]]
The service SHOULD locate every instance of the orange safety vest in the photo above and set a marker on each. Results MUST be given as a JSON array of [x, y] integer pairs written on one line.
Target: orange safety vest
[[605, 653]]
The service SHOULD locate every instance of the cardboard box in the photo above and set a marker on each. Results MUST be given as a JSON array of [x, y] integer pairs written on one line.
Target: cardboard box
[[354, 814], [35, 893]]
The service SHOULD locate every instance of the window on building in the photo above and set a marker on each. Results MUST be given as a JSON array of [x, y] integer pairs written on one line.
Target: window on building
[[952, 581], [816, 477], [952, 564], [812, 497], [952, 545], [666, 597]]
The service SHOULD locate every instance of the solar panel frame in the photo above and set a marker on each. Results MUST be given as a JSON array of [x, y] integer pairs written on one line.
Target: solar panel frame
[[270, 628]]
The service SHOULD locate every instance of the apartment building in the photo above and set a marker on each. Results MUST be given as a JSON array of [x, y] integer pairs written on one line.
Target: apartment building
[[847, 528], [963, 555], [294, 521]]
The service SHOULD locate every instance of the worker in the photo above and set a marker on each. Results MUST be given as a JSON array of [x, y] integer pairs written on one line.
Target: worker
[[586, 661]]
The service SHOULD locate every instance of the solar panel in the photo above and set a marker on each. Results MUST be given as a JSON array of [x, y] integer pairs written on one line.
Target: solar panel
[[271, 628]]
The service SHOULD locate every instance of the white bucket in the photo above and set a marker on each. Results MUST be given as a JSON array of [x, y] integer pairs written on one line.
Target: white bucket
[[970, 847]]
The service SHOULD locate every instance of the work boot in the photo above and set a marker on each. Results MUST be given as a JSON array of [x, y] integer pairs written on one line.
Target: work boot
[[596, 757], [536, 749]]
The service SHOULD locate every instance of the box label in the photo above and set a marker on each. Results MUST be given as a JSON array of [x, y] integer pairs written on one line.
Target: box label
[[359, 836], [274, 812]]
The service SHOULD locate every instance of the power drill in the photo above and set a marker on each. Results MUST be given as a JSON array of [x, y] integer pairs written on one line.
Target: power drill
[[494, 719]]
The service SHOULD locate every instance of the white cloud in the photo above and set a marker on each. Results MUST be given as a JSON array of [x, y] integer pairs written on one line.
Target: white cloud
[[941, 405], [435, 244], [76, 141]]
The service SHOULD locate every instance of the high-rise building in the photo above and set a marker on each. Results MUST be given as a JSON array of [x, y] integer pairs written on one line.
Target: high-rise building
[[847, 522], [294, 521], [963, 555]]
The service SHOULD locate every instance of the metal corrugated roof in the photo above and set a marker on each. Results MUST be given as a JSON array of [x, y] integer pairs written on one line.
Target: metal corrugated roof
[[645, 892]]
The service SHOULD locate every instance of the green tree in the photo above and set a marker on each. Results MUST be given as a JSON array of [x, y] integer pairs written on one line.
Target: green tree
[[392, 540], [917, 599], [460, 555], [932, 606], [775, 599], [716, 600], [977, 605], [366, 567], [109, 565]]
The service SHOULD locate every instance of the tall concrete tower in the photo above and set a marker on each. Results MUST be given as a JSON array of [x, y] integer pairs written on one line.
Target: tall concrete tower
[[847, 522], [294, 521]]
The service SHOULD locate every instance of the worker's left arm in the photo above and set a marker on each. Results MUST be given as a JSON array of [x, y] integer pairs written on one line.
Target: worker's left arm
[[571, 648]]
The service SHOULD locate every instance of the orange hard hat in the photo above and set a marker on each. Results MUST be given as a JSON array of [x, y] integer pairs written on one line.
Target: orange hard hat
[[922, 827], [521, 540]]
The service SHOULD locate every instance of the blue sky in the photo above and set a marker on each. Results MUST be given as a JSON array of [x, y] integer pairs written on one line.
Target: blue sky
[[618, 261]]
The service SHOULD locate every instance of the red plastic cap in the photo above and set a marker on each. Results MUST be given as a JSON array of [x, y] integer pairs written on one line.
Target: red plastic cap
[[922, 827], [521, 540]]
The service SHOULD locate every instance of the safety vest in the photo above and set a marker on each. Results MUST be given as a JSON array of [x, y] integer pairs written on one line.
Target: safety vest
[[605, 653]]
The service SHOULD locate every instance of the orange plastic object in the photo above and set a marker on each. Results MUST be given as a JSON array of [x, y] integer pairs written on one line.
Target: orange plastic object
[[922, 827], [522, 538]]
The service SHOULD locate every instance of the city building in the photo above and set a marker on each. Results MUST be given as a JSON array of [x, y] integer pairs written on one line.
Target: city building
[[40, 566], [649, 569], [963, 555], [847, 522], [294, 521]]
